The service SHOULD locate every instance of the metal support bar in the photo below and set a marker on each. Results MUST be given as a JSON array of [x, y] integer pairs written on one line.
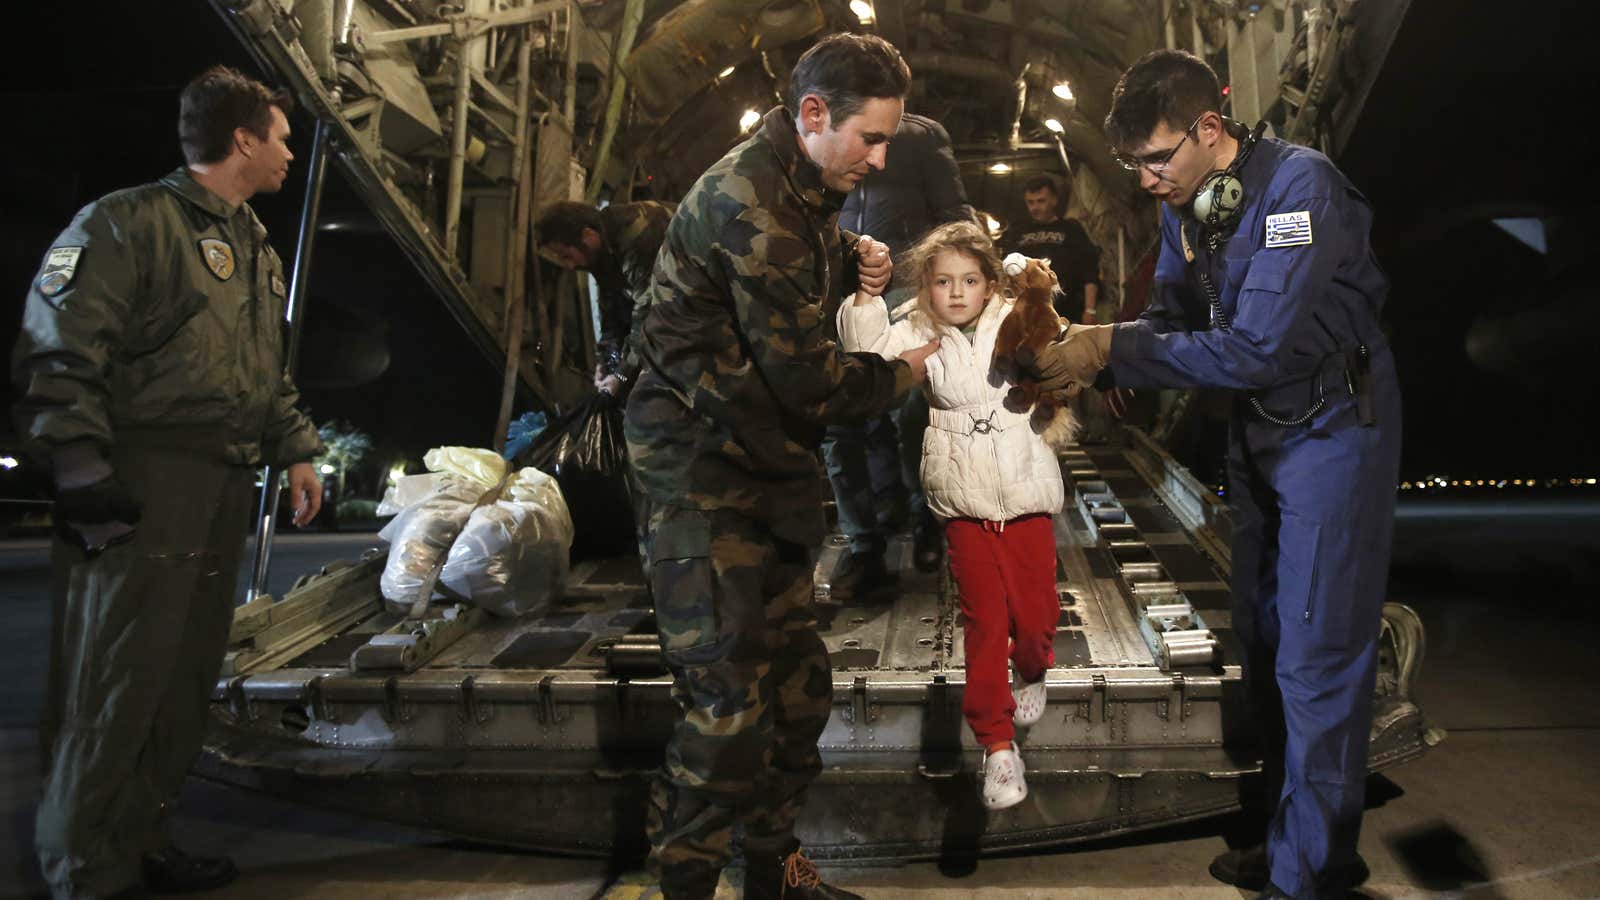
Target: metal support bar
[[458, 149], [268, 511], [478, 24], [489, 120], [631, 15], [1020, 85], [569, 103], [1061, 148], [516, 251], [496, 94]]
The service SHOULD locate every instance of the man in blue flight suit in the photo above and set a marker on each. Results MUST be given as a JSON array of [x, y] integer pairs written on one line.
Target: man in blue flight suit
[[1266, 284]]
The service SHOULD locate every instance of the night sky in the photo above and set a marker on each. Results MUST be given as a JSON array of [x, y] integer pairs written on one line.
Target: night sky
[[1474, 117]]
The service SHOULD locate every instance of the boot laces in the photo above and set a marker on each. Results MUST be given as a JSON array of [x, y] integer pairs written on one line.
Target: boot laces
[[799, 872]]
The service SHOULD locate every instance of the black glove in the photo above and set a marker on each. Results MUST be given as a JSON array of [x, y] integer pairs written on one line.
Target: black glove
[[96, 516]]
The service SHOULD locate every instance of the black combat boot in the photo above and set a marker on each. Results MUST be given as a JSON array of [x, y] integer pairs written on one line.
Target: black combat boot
[[860, 577], [172, 871], [1246, 867], [782, 872]]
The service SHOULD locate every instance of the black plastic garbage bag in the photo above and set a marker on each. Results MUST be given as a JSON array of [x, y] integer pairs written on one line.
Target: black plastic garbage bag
[[588, 456]]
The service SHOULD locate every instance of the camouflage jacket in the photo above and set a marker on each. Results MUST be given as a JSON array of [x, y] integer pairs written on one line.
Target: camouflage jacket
[[161, 309], [631, 233], [739, 376]]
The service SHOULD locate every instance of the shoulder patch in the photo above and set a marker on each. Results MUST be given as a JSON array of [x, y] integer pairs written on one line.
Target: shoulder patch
[[1289, 229], [218, 257], [60, 264]]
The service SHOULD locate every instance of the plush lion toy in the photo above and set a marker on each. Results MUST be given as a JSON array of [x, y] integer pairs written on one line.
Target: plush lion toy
[[1033, 323]]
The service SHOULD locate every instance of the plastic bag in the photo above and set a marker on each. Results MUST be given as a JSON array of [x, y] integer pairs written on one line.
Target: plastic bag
[[522, 431], [586, 452], [486, 467], [511, 557], [420, 536], [408, 489]]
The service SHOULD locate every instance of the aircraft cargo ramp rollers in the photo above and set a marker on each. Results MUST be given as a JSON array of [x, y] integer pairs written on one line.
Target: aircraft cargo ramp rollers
[[500, 729]]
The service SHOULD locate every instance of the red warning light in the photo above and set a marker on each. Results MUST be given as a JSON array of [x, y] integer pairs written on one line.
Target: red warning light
[[1226, 88]]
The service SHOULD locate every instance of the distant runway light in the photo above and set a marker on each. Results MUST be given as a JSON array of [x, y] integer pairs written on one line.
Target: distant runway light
[[1054, 125], [749, 120]]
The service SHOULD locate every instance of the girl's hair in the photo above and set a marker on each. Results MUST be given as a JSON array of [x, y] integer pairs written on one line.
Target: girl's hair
[[965, 238]]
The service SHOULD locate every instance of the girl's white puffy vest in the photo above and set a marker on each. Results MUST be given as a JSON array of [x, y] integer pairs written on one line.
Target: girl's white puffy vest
[[979, 459]]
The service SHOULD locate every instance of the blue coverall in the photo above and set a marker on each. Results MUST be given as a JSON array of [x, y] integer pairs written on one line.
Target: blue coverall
[[1313, 503]]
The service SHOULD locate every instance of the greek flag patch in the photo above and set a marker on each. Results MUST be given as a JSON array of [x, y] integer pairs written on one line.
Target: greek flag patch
[[1289, 229]]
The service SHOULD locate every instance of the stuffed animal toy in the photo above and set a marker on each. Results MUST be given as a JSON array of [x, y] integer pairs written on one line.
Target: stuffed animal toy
[[1033, 323]]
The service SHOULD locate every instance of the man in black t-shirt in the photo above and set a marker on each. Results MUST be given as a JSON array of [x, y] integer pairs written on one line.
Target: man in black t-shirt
[[1050, 235]]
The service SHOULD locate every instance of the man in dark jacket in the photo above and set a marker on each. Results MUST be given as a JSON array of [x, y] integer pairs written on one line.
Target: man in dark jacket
[[875, 465], [617, 245], [723, 426], [1049, 234], [150, 377]]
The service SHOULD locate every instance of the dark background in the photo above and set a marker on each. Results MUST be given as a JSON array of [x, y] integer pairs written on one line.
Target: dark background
[[1480, 112]]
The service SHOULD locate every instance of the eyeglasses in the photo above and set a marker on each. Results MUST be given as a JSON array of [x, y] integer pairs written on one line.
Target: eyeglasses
[[1157, 162]]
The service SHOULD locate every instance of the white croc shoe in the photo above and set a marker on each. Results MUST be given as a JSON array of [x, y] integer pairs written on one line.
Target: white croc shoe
[[1003, 784], [1030, 700]]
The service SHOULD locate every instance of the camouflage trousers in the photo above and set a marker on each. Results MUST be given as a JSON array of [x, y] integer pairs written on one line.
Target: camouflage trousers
[[733, 606]]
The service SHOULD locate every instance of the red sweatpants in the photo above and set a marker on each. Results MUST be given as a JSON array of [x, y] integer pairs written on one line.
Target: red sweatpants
[[1007, 577]]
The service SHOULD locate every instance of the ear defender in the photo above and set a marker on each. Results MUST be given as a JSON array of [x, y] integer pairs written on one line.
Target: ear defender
[[1220, 197]]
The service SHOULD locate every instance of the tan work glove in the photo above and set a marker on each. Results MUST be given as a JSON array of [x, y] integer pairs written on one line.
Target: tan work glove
[[1073, 359]]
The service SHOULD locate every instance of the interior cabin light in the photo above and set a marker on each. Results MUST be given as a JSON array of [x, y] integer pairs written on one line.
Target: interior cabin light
[[863, 11], [999, 168], [1054, 125], [1062, 90], [725, 73], [749, 120], [991, 223]]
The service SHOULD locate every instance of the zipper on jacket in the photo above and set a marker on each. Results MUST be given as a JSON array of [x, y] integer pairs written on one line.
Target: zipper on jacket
[[1000, 488]]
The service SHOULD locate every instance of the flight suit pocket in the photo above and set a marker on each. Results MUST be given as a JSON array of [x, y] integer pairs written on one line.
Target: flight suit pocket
[[1297, 568], [1312, 596], [158, 329], [1265, 275], [681, 581]]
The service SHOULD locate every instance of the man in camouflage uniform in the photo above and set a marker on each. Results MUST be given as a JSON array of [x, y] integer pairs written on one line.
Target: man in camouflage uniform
[[617, 245], [723, 428], [150, 375]]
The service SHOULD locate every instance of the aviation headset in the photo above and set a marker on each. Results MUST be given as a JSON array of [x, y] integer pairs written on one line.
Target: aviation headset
[[1219, 199]]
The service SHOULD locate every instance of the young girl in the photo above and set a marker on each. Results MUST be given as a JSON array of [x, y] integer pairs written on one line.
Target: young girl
[[989, 477]]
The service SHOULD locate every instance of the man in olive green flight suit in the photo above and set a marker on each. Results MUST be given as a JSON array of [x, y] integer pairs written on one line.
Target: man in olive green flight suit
[[150, 377], [723, 428]]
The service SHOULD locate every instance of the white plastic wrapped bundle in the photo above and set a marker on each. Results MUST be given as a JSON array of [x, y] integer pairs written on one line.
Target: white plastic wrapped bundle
[[511, 558], [420, 536], [508, 556]]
